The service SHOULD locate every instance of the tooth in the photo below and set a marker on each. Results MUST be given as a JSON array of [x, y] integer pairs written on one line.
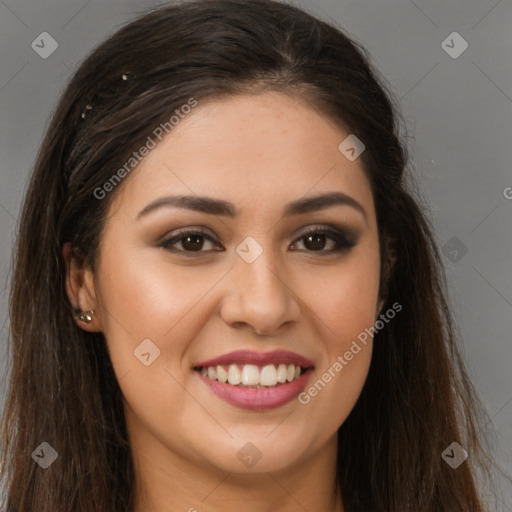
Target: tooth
[[268, 375], [250, 375], [222, 375], [234, 376], [290, 374], [281, 373]]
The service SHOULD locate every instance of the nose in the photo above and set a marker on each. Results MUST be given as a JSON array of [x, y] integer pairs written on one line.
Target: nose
[[259, 297]]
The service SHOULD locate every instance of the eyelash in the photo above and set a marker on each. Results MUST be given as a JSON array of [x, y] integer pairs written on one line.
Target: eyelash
[[343, 243]]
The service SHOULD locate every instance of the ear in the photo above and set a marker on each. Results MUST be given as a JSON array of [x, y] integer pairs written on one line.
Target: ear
[[80, 287]]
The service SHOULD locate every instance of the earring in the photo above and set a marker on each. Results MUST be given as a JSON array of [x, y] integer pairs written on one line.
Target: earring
[[86, 316]]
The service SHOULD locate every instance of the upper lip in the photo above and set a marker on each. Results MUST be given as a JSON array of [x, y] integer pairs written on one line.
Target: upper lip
[[258, 358]]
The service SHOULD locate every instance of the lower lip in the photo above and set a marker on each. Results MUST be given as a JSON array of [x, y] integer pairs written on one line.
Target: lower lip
[[258, 399]]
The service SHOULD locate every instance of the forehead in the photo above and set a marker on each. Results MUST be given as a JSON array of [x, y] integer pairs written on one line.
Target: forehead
[[257, 151]]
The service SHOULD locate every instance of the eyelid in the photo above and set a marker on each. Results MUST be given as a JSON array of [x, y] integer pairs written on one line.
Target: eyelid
[[203, 230], [348, 233]]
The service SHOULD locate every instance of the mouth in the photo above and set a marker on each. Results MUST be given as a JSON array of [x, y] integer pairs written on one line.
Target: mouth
[[256, 381]]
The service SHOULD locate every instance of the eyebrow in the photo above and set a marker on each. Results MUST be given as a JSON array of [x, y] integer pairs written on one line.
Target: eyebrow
[[214, 206]]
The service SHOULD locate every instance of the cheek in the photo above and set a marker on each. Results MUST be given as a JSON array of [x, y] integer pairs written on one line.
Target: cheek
[[149, 295], [345, 298], [345, 305], [144, 299], [152, 307]]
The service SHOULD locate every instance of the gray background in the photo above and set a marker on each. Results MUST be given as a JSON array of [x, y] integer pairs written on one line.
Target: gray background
[[458, 113]]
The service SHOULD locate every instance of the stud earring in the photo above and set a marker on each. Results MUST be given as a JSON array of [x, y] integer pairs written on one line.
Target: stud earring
[[86, 316]]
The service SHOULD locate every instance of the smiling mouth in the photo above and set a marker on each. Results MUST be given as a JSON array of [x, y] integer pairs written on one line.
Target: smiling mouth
[[253, 376]]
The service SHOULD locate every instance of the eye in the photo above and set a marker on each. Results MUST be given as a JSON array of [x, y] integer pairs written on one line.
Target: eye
[[190, 241], [316, 239]]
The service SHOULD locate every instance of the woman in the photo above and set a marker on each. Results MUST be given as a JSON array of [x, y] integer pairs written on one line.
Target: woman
[[224, 294]]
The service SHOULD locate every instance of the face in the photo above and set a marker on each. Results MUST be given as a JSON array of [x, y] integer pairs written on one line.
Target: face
[[254, 282]]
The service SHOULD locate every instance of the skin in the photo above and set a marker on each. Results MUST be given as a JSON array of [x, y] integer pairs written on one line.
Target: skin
[[258, 152]]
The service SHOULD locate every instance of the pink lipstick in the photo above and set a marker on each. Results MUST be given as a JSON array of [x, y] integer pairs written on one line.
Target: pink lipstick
[[256, 380]]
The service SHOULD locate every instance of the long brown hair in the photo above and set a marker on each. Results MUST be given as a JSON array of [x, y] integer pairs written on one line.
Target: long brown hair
[[418, 398]]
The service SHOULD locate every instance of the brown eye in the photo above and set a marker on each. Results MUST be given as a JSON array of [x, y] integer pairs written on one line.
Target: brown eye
[[188, 242], [317, 239], [192, 242], [315, 242]]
